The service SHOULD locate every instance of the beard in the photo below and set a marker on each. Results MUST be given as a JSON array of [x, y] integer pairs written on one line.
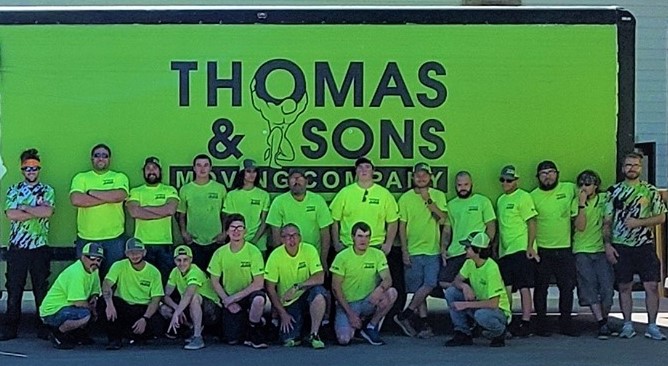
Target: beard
[[464, 194], [153, 178], [548, 187], [631, 175]]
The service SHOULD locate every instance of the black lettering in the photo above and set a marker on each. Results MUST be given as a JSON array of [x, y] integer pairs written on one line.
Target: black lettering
[[431, 83], [310, 131], [337, 141], [389, 132], [428, 132], [213, 83], [354, 76], [279, 64], [391, 74], [184, 68], [223, 131]]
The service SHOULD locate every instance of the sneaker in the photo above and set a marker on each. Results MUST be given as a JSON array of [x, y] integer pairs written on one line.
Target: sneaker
[[460, 339], [7, 332], [82, 338], [603, 332], [405, 326], [195, 343], [114, 345], [61, 340], [292, 343], [523, 329], [425, 332], [627, 331], [653, 332], [315, 341], [256, 340], [567, 328], [542, 329], [499, 341], [372, 335]]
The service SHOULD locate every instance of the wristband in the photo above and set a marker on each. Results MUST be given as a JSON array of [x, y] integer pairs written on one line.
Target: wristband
[[145, 317], [581, 206]]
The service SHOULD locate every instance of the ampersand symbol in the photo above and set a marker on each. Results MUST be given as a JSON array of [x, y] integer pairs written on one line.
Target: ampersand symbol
[[223, 131]]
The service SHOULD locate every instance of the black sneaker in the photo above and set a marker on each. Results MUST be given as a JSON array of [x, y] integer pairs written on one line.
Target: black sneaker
[[61, 340], [114, 345], [499, 341], [82, 338], [542, 329], [523, 329], [604, 332], [567, 328], [7, 332], [256, 340], [460, 339]]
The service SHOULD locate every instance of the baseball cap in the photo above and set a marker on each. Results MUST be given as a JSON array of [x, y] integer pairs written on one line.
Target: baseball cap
[[363, 160], [183, 250], [152, 160], [247, 164], [476, 239], [134, 244], [93, 250], [422, 166], [509, 171], [546, 164], [299, 171]]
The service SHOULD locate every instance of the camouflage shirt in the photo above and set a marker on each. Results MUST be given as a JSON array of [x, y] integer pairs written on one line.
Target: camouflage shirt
[[29, 234], [638, 201]]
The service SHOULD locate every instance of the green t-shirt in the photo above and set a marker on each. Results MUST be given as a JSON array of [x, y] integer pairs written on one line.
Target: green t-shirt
[[360, 272], [638, 201], [202, 205], [375, 206], [135, 287], [106, 221], [195, 276], [423, 231], [486, 283], [591, 239], [153, 231], [310, 215], [236, 269], [249, 203], [555, 209], [468, 215], [513, 211], [286, 270], [72, 285]]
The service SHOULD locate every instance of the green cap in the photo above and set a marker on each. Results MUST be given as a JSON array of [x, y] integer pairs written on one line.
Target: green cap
[[476, 239], [422, 166], [509, 171], [183, 250], [93, 250], [134, 244], [247, 164]]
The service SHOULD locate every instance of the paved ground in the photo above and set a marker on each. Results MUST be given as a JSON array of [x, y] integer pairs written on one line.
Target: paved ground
[[556, 350]]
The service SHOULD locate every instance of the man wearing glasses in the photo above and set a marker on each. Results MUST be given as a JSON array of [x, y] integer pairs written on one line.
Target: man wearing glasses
[[237, 276], [633, 209], [28, 207], [556, 203], [98, 195], [517, 231]]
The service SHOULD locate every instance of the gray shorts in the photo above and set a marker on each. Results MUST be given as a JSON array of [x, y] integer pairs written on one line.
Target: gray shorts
[[595, 279], [423, 271], [363, 308]]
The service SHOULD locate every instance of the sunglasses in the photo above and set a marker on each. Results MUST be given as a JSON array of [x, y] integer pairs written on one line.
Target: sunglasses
[[237, 228], [366, 193], [30, 169], [586, 184], [94, 259], [504, 180], [101, 155]]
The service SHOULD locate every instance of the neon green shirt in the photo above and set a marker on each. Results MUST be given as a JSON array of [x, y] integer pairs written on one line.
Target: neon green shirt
[[236, 269], [468, 215], [135, 287], [202, 205], [310, 215], [486, 283], [249, 203], [102, 222], [194, 277], [72, 285], [513, 211], [591, 239], [375, 206], [286, 270], [555, 209], [360, 272], [422, 229], [153, 231]]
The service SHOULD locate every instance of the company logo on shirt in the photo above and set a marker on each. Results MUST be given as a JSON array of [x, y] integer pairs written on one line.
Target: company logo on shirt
[[145, 283], [255, 202], [473, 208], [374, 201], [561, 196], [213, 196], [369, 265], [301, 265], [310, 208], [510, 206], [160, 196], [108, 181], [245, 264], [483, 282]]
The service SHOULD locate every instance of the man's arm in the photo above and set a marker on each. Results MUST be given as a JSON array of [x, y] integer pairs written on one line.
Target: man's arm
[[492, 303], [167, 299], [185, 299], [649, 222], [391, 233], [335, 236], [83, 200], [109, 196], [256, 285], [218, 287], [166, 210], [325, 243], [152, 306], [490, 229], [139, 212], [41, 211], [403, 240], [181, 218], [273, 297], [446, 240], [337, 289], [275, 235], [261, 229], [18, 215]]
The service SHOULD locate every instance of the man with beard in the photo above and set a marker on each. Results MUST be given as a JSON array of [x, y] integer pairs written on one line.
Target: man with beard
[[517, 232], [422, 213], [70, 303], [132, 310], [634, 207], [98, 195], [556, 203], [152, 205], [305, 209], [28, 207], [200, 212]]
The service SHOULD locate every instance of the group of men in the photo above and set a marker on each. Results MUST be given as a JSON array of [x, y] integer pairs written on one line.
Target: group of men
[[572, 232]]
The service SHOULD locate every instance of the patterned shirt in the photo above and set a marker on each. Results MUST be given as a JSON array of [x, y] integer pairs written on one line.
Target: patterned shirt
[[32, 233], [638, 201]]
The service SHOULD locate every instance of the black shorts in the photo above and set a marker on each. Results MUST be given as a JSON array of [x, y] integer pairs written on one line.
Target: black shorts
[[517, 270], [452, 267], [640, 260]]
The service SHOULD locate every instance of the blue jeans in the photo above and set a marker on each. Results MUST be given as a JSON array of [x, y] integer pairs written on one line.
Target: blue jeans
[[114, 251], [65, 314], [492, 320], [300, 307]]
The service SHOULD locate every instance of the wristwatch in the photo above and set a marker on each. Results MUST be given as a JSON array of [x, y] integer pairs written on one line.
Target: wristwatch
[[430, 201]]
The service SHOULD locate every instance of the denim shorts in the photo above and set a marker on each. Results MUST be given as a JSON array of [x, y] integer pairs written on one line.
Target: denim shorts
[[65, 314], [423, 271]]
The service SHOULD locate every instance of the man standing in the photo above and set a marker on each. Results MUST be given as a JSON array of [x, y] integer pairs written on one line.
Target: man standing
[[482, 297], [556, 203], [294, 279], [152, 205], [634, 208], [422, 212], [197, 296], [200, 212], [362, 286], [306, 209], [517, 232], [98, 195], [237, 276], [132, 311], [70, 303], [29, 206]]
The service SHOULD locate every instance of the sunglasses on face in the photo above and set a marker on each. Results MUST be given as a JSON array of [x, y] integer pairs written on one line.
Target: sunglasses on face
[[30, 169], [586, 184], [237, 228], [505, 180], [101, 155], [366, 193], [94, 259]]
